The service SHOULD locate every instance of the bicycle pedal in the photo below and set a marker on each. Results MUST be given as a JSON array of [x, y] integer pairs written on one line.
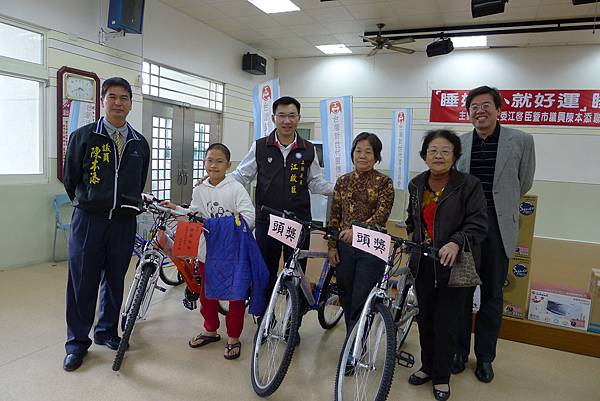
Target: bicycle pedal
[[405, 359], [161, 289], [191, 305]]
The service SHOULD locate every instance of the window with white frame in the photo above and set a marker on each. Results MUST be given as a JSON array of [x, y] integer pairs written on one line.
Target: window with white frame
[[161, 81], [22, 78]]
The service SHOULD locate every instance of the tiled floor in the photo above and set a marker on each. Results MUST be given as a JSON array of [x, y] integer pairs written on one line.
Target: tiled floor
[[161, 366]]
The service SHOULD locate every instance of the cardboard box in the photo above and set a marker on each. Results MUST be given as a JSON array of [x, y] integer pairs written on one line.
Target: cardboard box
[[527, 212], [560, 306], [516, 287], [595, 295]]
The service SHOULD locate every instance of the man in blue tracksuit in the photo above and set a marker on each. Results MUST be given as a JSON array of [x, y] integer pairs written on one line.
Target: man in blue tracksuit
[[105, 170]]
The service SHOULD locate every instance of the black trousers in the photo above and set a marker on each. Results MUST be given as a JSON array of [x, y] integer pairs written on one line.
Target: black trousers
[[439, 312], [99, 253], [271, 250], [494, 267], [356, 275]]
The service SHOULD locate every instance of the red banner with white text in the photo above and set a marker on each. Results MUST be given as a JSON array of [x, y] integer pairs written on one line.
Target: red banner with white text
[[564, 107]]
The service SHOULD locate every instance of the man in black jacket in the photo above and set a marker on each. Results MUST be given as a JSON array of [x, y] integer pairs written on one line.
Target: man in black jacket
[[104, 173], [286, 169]]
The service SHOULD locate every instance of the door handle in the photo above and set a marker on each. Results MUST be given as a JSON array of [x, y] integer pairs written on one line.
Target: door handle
[[185, 177], [179, 177]]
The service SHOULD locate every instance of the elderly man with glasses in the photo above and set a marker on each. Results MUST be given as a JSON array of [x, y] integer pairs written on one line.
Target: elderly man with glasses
[[504, 161]]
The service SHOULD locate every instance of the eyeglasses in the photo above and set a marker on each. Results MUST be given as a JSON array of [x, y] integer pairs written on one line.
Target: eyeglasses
[[209, 162], [483, 106], [291, 116], [443, 152]]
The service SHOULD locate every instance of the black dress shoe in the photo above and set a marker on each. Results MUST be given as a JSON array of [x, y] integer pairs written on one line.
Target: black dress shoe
[[458, 364], [112, 343], [484, 372], [440, 395], [417, 381], [73, 361]]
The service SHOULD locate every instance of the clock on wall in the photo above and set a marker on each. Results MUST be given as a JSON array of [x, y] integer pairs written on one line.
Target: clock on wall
[[77, 104]]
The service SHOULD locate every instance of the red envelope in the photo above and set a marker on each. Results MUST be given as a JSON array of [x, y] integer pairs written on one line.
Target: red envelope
[[187, 238]]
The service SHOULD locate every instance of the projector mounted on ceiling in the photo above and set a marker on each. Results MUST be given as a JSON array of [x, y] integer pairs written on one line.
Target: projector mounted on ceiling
[[481, 8]]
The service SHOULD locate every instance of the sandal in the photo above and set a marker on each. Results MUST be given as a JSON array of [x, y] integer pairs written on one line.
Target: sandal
[[232, 347], [202, 339]]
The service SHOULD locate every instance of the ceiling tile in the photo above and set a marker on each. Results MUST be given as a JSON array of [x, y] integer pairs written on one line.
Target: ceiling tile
[[331, 14], [205, 12], [514, 14], [259, 22], [457, 18], [344, 26], [273, 33], [263, 43], [349, 38], [227, 24], [295, 18], [321, 39], [310, 4], [238, 8], [371, 11], [453, 6], [291, 41], [411, 7], [311, 29], [246, 35], [566, 10], [422, 21]]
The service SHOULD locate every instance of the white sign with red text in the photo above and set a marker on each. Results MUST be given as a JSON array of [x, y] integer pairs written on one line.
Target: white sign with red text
[[285, 231], [372, 242]]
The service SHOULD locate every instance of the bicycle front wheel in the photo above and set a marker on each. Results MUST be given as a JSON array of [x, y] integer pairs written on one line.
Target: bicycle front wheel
[[274, 346], [330, 310], [368, 377], [132, 314]]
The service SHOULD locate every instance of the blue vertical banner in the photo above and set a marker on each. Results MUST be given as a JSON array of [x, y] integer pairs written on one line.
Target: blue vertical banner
[[401, 133], [336, 129], [263, 97]]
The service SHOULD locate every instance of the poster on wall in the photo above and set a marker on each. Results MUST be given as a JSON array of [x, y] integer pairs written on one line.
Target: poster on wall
[[401, 133], [263, 97], [559, 107], [336, 129]]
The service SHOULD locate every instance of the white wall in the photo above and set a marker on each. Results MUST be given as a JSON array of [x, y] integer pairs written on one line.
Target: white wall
[[567, 157], [171, 38], [392, 75]]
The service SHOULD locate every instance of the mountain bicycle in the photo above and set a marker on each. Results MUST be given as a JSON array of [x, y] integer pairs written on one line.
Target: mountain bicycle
[[366, 365], [146, 274], [275, 337]]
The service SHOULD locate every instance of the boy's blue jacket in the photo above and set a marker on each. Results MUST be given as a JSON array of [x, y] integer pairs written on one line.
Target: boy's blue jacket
[[234, 267]]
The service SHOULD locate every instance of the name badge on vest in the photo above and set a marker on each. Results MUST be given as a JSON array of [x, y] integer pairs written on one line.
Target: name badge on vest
[[269, 159]]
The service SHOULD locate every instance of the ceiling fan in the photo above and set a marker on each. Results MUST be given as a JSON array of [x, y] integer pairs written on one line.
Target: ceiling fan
[[381, 42]]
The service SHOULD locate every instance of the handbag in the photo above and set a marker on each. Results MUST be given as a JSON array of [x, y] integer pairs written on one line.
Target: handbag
[[463, 272]]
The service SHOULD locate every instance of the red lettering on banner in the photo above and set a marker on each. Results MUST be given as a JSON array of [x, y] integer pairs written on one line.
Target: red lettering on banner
[[571, 107]]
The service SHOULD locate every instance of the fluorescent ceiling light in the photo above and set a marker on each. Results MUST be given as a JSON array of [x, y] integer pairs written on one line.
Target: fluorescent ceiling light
[[334, 49], [469, 41], [275, 6]]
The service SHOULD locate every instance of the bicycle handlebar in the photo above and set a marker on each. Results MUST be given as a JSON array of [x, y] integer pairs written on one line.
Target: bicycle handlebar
[[330, 232], [151, 203], [411, 246]]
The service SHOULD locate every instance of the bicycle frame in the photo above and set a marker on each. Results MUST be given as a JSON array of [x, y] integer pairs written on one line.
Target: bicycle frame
[[379, 292], [292, 271]]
